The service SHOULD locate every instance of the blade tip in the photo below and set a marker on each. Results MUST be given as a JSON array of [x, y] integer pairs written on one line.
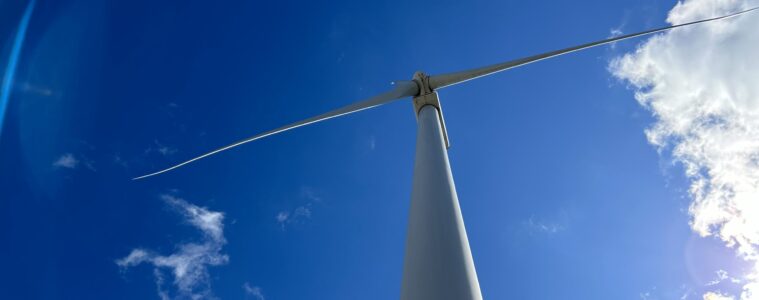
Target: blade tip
[[141, 177]]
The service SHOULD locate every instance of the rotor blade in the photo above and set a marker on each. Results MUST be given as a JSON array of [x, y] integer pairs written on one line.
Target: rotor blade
[[402, 89], [445, 80]]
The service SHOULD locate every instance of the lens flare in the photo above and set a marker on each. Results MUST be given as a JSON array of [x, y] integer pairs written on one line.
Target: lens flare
[[10, 69]]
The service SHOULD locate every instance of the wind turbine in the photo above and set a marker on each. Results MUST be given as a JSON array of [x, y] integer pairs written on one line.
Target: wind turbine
[[438, 262]]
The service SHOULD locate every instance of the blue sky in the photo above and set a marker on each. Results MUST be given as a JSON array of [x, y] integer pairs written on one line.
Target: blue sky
[[562, 194]]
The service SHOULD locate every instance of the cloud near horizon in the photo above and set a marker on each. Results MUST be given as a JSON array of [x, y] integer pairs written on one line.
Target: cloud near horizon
[[189, 264], [701, 84]]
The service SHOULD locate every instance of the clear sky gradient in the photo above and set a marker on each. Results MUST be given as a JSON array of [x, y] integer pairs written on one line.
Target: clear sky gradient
[[562, 195]]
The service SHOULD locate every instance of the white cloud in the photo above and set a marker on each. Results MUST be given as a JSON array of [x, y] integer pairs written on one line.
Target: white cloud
[[298, 214], [282, 216], [717, 296], [682, 292], [161, 149], [165, 150], [71, 161], [117, 159], [66, 160], [136, 257], [301, 212], [614, 32], [253, 291], [701, 83], [189, 264], [310, 194], [542, 226], [550, 224], [210, 222], [722, 276]]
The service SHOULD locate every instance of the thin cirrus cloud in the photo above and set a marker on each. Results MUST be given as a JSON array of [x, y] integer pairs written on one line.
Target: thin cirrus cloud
[[189, 264], [540, 226], [701, 84], [254, 292], [300, 213], [162, 149]]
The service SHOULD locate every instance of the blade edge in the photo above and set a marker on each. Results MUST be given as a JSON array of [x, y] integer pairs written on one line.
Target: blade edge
[[403, 89], [446, 80]]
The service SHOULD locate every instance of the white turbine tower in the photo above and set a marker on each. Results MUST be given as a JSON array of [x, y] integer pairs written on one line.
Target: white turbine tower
[[438, 262]]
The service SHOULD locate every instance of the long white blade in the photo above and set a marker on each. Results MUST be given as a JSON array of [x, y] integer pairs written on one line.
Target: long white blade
[[402, 89], [444, 80]]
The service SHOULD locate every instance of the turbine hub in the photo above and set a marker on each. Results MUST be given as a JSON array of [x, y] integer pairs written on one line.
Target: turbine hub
[[423, 81]]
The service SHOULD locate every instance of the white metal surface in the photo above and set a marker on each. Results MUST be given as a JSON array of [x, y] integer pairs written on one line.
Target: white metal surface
[[438, 263]]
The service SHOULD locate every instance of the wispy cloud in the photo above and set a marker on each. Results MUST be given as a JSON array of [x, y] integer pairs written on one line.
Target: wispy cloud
[[682, 292], [67, 160], [253, 291], [615, 32], [161, 149], [372, 143], [189, 264], [722, 276], [543, 226], [700, 83], [71, 161], [119, 160], [300, 213], [285, 218], [647, 295], [35, 89]]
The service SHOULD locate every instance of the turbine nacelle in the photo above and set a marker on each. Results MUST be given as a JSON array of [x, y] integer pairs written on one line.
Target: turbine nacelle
[[427, 96]]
